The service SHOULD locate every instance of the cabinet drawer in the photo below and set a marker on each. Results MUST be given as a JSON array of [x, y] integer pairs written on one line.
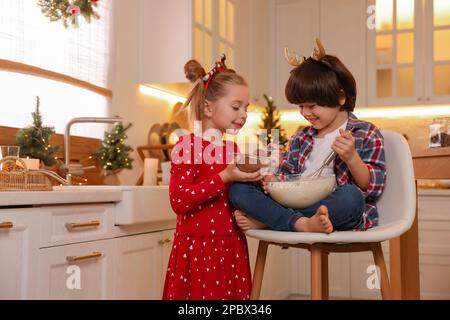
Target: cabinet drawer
[[76, 223], [434, 225], [77, 271], [432, 208]]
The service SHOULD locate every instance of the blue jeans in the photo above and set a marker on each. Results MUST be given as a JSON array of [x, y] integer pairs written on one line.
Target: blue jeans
[[345, 207]]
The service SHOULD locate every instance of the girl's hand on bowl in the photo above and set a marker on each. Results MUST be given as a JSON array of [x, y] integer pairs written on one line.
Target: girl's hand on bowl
[[232, 173]]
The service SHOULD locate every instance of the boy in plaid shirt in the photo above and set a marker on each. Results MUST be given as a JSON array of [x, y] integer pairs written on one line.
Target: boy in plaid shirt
[[325, 91]]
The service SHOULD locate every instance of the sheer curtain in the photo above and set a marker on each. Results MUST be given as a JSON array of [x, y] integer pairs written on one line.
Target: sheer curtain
[[28, 37]]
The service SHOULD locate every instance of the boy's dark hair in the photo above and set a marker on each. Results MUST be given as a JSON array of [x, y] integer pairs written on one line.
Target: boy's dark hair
[[322, 82]]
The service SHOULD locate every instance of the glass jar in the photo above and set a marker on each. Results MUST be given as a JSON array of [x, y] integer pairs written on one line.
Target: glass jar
[[435, 130], [440, 132], [445, 133]]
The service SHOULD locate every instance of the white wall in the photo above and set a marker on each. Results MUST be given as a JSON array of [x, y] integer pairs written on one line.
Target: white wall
[[128, 102]]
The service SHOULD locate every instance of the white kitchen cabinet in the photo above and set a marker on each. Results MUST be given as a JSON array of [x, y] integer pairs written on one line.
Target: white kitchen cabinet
[[409, 53], [296, 23], [339, 24], [77, 271], [173, 32], [141, 264], [19, 249], [276, 283], [67, 224], [74, 250], [434, 243], [253, 22], [165, 40], [343, 33]]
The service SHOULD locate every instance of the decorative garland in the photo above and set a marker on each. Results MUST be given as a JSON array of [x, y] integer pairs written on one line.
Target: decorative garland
[[69, 10]]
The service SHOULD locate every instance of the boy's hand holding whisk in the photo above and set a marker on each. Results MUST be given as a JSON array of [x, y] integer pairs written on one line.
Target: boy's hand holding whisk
[[344, 146]]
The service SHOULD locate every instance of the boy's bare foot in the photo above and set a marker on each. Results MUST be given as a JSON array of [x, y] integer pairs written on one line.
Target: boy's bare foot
[[319, 222], [245, 222]]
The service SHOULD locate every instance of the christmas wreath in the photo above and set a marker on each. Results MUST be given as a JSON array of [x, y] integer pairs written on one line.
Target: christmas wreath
[[69, 10]]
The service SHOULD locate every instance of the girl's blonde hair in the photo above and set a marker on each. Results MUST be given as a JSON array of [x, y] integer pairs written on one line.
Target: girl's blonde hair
[[216, 89]]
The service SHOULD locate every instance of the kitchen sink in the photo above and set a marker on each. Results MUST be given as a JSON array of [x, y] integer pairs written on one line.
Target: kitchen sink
[[139, 204]]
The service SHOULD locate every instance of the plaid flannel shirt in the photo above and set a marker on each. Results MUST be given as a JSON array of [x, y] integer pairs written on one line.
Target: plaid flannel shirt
[[370, 147]]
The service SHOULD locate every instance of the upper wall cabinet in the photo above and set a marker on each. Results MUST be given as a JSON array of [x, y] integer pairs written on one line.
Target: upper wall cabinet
[[295, 22], [409, 52], [340, 24], [252, 22], [214, 31], [174, 31], [343, 33]]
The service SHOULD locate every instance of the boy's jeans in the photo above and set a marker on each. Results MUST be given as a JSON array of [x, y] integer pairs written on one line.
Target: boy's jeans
[[345, 207]]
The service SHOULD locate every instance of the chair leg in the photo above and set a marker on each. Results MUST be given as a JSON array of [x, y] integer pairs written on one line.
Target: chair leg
[[381, 264], [325, 291], [316, 272], [259, 270]]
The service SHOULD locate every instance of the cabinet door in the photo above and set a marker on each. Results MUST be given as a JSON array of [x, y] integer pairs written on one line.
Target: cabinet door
[[437, 51], [165, 40], [338, 274], [138, 266], [19, 247], [77, 271], [343, 33], [276, 281], [254, 22], [167, 242], [434, 245], [68, 224], [296, 23], [395, 53], [214, 31]]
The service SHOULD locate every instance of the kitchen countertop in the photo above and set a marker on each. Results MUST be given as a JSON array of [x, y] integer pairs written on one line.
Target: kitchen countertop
[[23, 198]]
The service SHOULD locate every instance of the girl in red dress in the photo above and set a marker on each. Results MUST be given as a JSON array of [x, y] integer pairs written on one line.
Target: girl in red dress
[[209, 258]]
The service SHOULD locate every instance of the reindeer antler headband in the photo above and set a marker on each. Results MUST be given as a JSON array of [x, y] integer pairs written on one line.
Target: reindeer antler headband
[[294, 60], [219, 67]]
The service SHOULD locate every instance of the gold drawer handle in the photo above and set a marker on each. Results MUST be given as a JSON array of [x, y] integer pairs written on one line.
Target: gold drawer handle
[[89, 224], [93, 255], [6, 225], [162, 242]]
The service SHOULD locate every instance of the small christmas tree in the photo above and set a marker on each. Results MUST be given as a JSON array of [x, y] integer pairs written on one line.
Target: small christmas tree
[[114, 154], [271, 120], [34, 141]]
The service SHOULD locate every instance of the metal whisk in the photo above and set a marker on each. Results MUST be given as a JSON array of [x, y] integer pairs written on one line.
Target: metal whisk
[[316, 174]]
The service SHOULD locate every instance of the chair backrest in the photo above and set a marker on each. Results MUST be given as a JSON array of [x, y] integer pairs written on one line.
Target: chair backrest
[[398, 201]]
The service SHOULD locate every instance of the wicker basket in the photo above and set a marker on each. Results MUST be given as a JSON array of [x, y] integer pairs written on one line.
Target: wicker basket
[[21, 179]]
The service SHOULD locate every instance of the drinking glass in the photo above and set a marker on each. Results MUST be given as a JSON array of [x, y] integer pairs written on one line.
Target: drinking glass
[[9, 151]]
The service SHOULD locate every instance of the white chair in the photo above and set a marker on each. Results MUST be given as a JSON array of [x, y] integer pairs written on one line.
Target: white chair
[[396, 209]]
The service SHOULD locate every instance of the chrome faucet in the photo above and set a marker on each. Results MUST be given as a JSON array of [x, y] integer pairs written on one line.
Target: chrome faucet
[[78, 169]]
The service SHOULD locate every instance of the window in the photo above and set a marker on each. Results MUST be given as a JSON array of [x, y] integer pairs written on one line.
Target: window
[[213, 31], [38, 50]]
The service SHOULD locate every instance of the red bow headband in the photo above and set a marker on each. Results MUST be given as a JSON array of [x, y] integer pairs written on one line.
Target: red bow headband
[[219, 67]]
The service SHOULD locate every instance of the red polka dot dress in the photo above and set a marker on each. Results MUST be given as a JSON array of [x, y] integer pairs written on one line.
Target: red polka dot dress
[[209, 257]]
